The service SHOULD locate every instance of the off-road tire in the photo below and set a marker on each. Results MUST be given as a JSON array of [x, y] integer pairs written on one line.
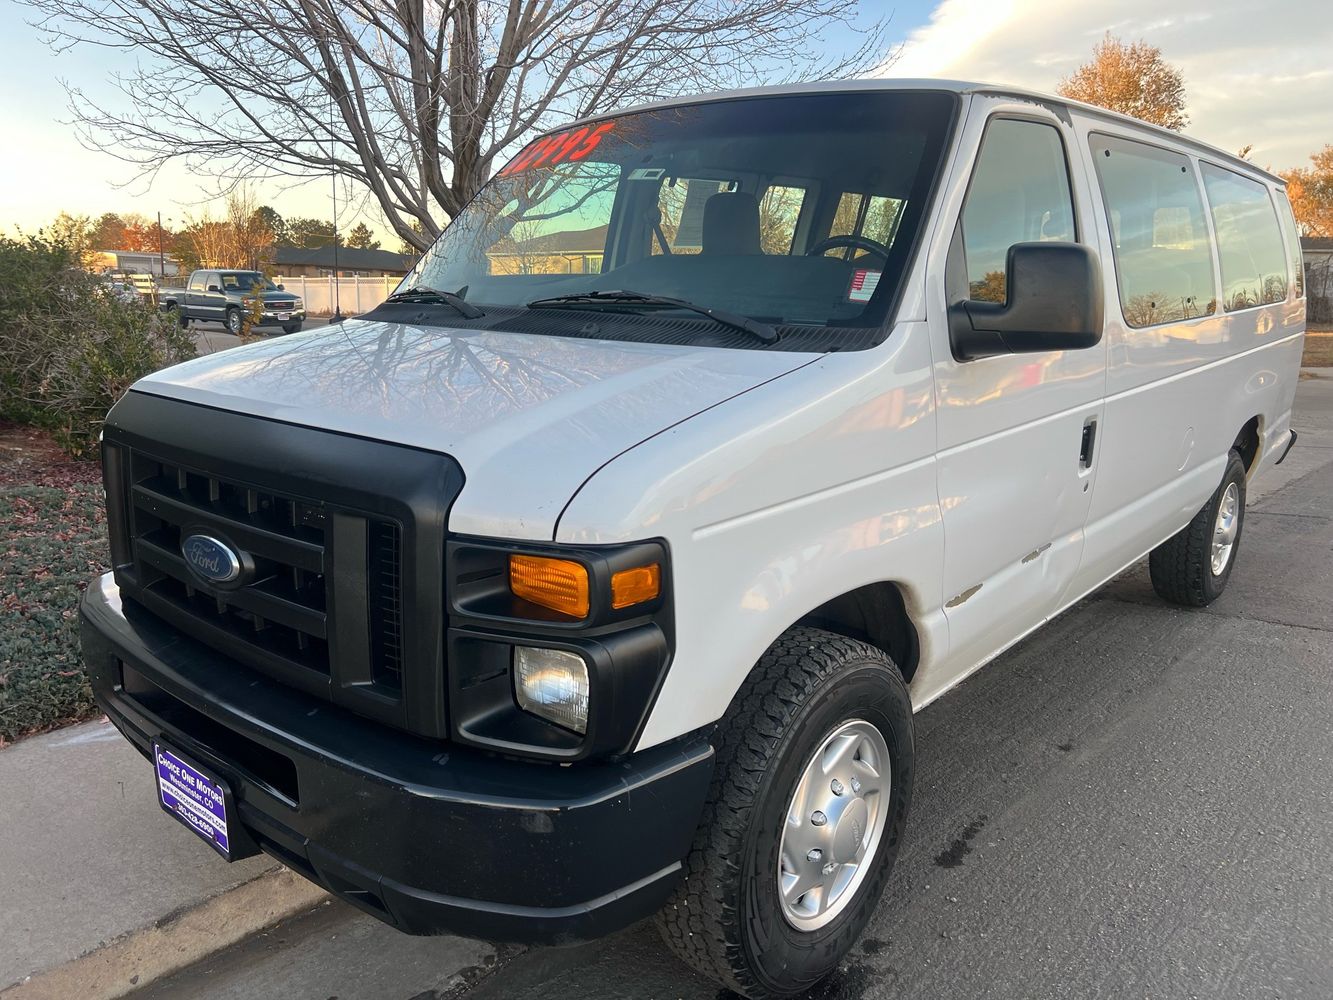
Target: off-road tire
[[1182, 566], [725, 917]]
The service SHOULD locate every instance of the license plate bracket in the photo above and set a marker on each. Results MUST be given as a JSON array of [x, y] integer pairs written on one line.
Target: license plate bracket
[[200, 800]]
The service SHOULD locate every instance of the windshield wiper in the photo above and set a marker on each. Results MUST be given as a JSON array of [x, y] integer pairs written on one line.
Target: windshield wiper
[[753, 327], [424, 293]]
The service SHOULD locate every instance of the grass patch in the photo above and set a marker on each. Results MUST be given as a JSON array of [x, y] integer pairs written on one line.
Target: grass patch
[[52, 543], [1318, 347]]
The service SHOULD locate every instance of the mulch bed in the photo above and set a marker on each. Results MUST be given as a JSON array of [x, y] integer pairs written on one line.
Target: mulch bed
[[52, 543]]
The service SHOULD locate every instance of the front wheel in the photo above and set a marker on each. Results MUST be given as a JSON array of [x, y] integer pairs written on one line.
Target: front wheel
[[1192, 567], [234, 322], [805, 815]]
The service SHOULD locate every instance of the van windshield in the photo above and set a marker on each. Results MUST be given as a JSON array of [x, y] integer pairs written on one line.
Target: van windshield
[[796, 210]]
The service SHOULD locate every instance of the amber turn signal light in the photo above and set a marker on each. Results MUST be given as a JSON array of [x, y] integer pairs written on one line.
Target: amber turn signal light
[[558, 584], [635, 586]]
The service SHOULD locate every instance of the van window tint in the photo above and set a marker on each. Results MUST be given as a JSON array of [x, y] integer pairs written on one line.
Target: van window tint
[[1293, 244], [1019, 194], [1163, 257], [1249, 242]]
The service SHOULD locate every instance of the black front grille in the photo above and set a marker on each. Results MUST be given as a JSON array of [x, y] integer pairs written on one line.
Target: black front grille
[[278, 621]]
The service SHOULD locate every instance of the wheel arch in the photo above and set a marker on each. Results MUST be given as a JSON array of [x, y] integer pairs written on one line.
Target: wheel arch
[[1249, 443], [875, 613]]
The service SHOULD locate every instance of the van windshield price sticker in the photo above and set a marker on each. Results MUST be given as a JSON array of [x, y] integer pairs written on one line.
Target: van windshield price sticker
[[193, 798], [562, 147], [864, 283]]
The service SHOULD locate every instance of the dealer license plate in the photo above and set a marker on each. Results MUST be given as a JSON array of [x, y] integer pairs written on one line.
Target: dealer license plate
[[194, 796]]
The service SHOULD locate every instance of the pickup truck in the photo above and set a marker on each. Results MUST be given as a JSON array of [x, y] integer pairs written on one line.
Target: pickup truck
[[225, 297]]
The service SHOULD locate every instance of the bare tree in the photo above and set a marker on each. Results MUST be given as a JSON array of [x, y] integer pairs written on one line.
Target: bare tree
[[242, 239], [417, 100]]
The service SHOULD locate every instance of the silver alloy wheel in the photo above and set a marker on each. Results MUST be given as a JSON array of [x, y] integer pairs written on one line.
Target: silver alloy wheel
[[1225, 528], [835, 820]]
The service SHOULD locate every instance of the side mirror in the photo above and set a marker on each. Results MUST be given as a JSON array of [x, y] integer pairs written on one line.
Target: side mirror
[[1053, 303], [214, 288]]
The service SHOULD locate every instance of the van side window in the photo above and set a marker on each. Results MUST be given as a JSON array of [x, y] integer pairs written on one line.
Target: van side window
[[1163, 256], [1293, 235], [1019, 194], [779, 213], [1249, 240]]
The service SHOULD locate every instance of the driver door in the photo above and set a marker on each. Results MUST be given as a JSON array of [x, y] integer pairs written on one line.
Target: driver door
[[1016, 460]]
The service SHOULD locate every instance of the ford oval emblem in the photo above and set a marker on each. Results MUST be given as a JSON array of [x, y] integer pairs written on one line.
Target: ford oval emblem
[[211, 559]]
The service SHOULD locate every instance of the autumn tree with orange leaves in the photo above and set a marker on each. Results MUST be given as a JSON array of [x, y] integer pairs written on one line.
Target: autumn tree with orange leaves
[[1132, 79], [1311, 192]]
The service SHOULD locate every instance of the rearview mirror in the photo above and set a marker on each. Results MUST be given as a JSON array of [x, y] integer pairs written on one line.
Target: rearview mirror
[[1053, 302], [282, 287]]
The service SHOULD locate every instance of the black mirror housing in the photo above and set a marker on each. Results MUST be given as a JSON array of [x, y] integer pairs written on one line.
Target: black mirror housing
[[1054, 302]]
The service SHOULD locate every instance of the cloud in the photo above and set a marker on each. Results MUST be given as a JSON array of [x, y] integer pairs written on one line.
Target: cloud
[[1253, 73]]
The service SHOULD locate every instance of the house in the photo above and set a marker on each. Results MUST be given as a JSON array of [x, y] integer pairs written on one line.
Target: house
[[574, 251], [135, 262], [319, 262], [1318, 254]]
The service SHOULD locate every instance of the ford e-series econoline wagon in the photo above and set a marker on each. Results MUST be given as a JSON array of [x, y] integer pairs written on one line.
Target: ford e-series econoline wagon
[[598, 573]]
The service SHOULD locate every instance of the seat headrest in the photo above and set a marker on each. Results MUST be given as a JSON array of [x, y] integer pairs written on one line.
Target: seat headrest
[[731, 224]]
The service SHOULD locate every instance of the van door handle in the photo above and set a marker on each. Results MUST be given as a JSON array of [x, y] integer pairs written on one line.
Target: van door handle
[[1089, 442]]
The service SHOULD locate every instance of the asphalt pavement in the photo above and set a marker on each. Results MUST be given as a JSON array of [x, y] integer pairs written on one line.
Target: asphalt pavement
[[1136, 801], [212, 337]]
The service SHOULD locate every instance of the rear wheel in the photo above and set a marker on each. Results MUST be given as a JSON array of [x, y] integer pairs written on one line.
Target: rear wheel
[[805, 815], [1193, 566]]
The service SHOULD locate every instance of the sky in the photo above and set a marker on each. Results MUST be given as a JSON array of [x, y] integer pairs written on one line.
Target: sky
[[1254, 73]]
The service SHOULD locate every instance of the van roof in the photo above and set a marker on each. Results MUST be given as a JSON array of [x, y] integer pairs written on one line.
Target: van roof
[[953, 86]]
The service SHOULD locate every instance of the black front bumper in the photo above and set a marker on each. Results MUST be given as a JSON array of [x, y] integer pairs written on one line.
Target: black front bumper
[[426, 836]]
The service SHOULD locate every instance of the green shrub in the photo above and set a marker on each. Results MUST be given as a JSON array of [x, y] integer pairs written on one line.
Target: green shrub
[[68, 349]]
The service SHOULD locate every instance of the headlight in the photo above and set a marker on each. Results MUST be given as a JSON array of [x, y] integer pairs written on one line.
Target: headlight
[[552, 684]]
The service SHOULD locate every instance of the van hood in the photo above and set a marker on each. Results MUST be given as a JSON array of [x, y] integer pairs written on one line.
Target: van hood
[[529, 418]]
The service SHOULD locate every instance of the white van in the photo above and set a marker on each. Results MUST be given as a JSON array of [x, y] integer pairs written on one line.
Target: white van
[[599, 572]]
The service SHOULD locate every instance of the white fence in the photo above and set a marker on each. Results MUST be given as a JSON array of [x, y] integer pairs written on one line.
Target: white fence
[[353, 295]]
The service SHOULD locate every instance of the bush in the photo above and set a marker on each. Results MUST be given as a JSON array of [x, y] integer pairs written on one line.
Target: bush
[[68, 349]]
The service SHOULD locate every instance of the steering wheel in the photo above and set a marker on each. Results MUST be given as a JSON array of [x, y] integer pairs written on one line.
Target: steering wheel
[[860, 242]]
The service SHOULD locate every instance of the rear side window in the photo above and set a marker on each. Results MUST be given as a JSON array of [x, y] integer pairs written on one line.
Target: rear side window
[[779, 213], [1249, 241], [1019, 194], [1293, 235], [1163, 256]]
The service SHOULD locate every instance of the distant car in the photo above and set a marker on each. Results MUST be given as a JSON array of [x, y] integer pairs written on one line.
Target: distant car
[[123, 291], [227, 297]]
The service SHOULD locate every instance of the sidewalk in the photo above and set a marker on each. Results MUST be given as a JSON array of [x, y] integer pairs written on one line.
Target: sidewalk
[[86, 854]]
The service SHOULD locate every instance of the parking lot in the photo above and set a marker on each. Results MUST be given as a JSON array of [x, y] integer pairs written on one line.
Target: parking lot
[[1134, 802]]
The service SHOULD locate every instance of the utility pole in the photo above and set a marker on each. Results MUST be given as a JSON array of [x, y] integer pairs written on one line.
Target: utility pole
[[161, 254]]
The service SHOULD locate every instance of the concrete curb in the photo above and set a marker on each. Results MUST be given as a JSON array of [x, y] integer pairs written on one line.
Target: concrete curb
[[179, 940]]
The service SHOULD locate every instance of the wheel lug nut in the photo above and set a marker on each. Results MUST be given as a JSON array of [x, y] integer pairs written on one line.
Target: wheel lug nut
[[837, 787], [829, 868], [856, 785], [817, 818], [815, 855]]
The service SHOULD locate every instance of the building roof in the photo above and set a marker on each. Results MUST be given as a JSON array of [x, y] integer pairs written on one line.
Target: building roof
[[349, 258], [962, 87], [1317, 243], [573, 241]]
